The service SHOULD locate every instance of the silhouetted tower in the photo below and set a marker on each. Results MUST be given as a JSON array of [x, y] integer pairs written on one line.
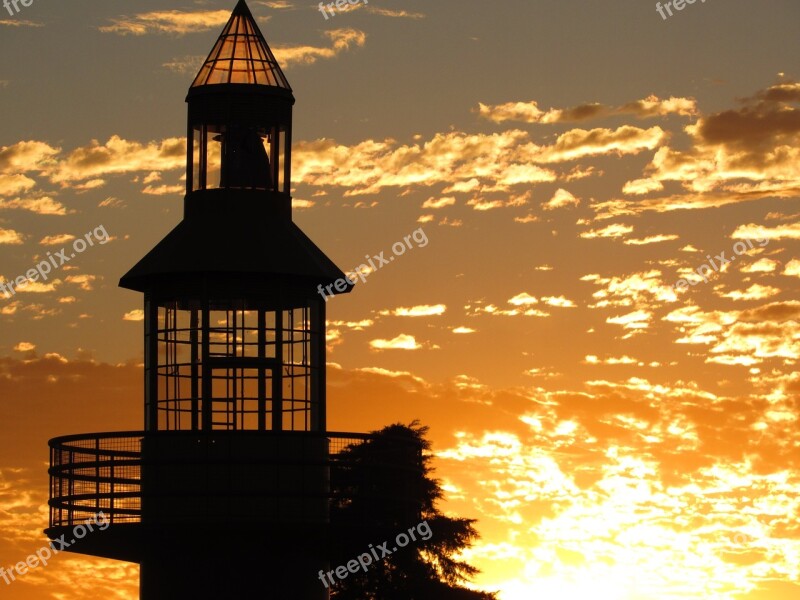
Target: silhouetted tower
[[225, 493]]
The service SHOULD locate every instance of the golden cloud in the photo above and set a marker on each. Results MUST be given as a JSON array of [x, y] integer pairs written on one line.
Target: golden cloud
[[168, 21], [341, 40], [529, 112], [401, 342]]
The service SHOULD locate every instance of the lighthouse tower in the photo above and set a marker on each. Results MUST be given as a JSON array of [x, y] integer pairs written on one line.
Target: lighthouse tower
[[225, 493]]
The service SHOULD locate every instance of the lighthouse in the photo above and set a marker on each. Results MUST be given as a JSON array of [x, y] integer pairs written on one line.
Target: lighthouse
[[226, 491]]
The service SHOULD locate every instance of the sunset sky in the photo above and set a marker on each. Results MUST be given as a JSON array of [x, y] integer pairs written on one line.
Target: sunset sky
[[622, 427]]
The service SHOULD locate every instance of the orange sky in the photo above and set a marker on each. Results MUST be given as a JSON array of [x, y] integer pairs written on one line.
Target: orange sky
[[615, 435]]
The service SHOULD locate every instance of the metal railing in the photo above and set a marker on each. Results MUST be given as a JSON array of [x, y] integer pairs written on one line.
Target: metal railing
[[102, 472]]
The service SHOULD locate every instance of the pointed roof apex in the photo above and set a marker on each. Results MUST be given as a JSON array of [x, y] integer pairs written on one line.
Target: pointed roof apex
[[241, 55]]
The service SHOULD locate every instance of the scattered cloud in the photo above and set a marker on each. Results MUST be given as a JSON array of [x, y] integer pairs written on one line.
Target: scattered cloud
[[185, 65], [652, 239], [754, 292], [423, 310], [434, 203], [396, 14], [529, 112], [341, 41], [9, 237], [168, 21], [19, 23], [463, 330], [136, 314], [401, 342], [41, 206], [614, 230], [56, 240], [561, 199]]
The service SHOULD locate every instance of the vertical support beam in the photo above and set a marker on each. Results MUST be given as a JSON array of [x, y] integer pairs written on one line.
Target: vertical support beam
[[262, 371], [277, 375], [287, 158], [189, 157], [318, 358], [195, 374], [202, 169], [206, 399], [150, 363], [274, 157], [234, 373]]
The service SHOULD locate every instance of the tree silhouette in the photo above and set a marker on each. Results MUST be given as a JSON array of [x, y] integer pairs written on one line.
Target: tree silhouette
[[383, 488]]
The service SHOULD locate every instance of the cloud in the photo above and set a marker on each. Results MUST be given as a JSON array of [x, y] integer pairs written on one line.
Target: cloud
[[639, 289], [638, 319], [341, 40], [615, 230], [26, 156], [85, 282], [434, 203], [581, 143], [523, 299], [743, 154], [558, 301], [401, 342], [500, 160], [276, 4], [529, 112], [24, 347], [521, 304], [164, 190], [56, 240], [19, 23], [562, 198], [747, 337], [463, 330], [642, 186], [185, 65], [117, 156], [136, 314], [484, 204], [10, 237], [792, 268], [396, 14], [751, 231], [622, 360], [423, 310], [14, 183], [763, 265], [652, 239], [300, 204], [168, 21], [754, 292], [38, 287], [41, 206]]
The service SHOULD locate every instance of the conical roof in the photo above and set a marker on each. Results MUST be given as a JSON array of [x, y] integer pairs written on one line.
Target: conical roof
[[241, 55]]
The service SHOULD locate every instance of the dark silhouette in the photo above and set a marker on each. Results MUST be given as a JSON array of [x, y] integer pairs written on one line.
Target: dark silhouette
[[245, 163], [374, 504], [225, 491]]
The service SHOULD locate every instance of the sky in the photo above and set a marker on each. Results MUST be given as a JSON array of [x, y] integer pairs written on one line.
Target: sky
[[596, 312]]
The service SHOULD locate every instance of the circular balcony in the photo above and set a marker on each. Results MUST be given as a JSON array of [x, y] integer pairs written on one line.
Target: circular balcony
[[224, 479]]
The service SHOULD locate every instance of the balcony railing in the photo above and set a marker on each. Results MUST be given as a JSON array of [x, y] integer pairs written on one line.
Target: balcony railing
[[102, 472]]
